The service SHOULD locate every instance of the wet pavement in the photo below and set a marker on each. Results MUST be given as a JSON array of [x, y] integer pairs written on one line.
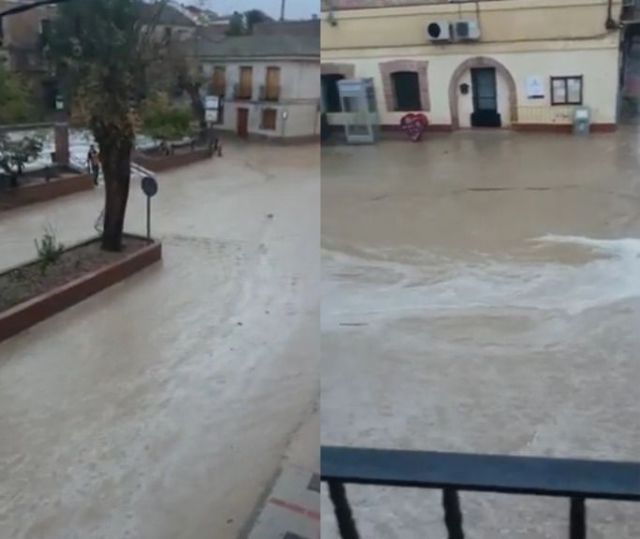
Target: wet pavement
[[163, 406], [481, 293]]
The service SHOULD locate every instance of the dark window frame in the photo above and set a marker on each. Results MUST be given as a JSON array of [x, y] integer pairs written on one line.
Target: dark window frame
[[565, 80], [263, 124], [330, 82], [400, 105]]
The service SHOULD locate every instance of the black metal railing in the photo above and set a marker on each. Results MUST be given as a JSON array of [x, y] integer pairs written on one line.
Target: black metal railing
[[577, 480], [242, 92], [270, 92]]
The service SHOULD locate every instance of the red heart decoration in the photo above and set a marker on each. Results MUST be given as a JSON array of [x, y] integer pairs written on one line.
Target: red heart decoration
[[414, 125]]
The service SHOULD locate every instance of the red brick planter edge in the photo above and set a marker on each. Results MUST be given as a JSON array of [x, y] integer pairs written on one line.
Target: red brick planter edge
[[27, 314], [162, 163], [31, 194]]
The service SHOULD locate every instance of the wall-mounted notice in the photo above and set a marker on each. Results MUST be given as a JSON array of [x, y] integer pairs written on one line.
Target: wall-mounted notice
[[535, 87]]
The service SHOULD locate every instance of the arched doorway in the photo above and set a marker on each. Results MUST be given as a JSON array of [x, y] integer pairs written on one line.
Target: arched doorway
[[482, 92], [330, 74]]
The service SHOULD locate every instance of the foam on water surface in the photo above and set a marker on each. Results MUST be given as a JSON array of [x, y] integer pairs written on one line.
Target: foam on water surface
[[381, 285]]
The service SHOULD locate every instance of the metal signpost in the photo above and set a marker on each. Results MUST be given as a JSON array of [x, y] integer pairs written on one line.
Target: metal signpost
[[149, 188], [212, 109]]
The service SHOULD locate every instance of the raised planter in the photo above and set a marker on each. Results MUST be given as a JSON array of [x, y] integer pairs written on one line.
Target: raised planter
[[42, 191], [160, 163], [38, 308]]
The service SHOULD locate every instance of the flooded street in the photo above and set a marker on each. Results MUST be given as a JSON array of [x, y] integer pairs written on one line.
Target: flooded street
[[162, 407], [481, 293]]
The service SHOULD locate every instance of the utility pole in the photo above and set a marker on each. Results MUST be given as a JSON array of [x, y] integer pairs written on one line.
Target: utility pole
[[282, 6]]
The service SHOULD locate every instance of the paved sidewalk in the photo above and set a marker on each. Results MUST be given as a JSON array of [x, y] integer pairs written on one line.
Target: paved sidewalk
[[292, 508], [291, 511]]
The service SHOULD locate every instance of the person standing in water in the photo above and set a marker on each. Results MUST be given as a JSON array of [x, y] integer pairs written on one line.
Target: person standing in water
[[93, 163]]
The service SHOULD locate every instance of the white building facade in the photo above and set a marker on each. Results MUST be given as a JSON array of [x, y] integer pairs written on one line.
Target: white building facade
[[268, 85], [524, 64]]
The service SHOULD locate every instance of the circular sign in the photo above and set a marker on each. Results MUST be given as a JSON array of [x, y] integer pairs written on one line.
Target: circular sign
[[149, 186]]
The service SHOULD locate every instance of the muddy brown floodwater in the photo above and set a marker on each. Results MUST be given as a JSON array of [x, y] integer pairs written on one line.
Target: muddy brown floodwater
[[162, 407], [481, 293]]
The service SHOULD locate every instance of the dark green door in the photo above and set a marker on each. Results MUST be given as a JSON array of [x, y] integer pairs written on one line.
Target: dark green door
[[485, 98]]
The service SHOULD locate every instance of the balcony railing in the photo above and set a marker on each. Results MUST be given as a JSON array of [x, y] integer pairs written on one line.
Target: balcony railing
[[242, 92], [577, 480], [270, 93], [218, 90]]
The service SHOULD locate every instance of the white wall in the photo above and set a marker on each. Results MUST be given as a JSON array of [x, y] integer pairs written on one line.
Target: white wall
[[303, 121], [299, 96], [298, 80], [598, 66]]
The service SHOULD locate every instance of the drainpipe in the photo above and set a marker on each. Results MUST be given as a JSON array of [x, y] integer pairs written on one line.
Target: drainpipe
[[610, 24]]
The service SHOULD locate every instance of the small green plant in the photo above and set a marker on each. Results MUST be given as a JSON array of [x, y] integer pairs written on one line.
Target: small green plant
[[49, 249]]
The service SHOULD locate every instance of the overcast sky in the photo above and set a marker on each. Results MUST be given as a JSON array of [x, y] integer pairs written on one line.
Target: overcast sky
[[295, 9]]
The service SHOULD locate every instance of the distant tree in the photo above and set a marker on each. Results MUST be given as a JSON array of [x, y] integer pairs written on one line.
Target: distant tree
[[253, 17], [237, 25], [16, 99], [102, 46], [177, 71]]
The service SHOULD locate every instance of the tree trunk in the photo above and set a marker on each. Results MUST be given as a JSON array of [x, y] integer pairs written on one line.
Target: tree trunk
[[116, 166]]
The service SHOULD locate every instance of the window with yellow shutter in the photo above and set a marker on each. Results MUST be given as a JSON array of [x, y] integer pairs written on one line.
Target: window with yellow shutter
[[269, 119]]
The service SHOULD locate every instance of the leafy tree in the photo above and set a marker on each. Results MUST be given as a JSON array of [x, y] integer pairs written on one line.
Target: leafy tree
[[253, 17], [237, 25], [164, 122], [178, 70], [15, 154], [241, 24], [15, 98], [101, 47]]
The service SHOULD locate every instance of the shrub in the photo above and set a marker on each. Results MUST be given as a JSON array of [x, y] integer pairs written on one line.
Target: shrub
[[162, 121], [49, 249], [15, 154]]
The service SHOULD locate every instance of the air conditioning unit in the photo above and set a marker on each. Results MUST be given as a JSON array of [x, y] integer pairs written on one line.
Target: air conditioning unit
[[439, 31], [466, 30]]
